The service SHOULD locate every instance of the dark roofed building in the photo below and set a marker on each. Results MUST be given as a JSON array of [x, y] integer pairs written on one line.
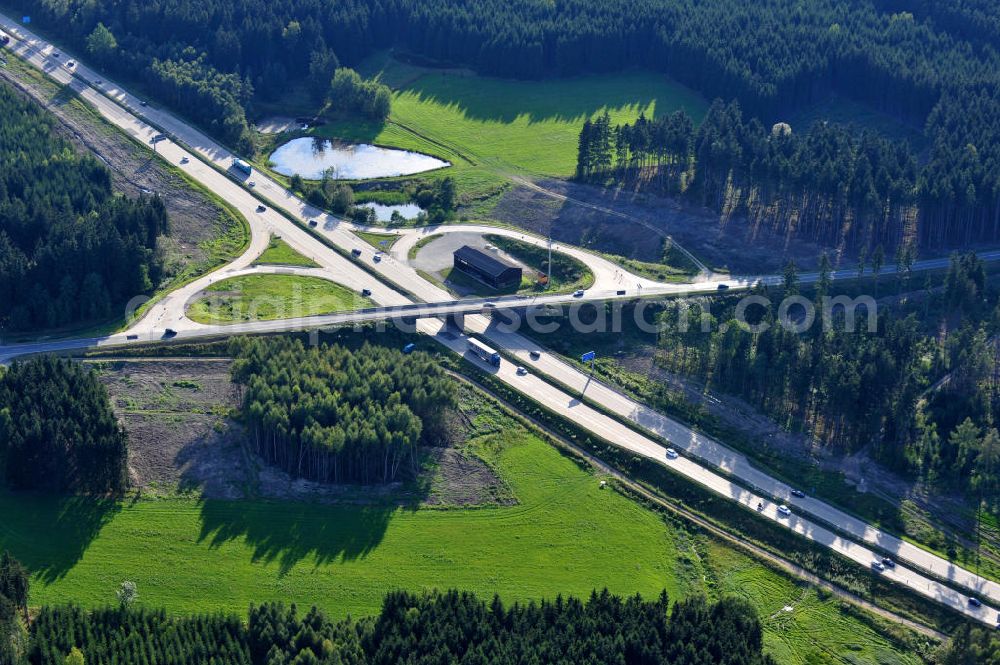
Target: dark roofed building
[[487, 268]]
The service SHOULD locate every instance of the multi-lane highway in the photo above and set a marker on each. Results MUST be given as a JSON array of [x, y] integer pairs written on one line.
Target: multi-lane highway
[[552, 382]]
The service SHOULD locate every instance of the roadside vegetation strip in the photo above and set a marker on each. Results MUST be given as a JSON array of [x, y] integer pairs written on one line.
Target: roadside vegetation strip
[[380, 241], [269, 297], [280, 253], [645, 494], [566, 274], [726, 515]]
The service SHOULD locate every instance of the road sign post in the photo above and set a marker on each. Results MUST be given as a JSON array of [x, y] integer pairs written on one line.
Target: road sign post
[[589, 356]]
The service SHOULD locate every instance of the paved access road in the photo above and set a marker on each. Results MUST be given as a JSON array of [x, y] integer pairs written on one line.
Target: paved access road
[[144, 122]]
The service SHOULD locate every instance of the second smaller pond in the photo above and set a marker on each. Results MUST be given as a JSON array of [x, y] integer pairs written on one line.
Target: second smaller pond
[[383, 213]]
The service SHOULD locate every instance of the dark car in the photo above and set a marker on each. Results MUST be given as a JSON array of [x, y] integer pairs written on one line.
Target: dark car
[[261, 208], [722, 287], [144, 103], [535, 355], [975, 602], [355, 252], [169, 332], [889, 563], [312, 223], [366, 292], [798, 493], [131, 337], [620, 292]]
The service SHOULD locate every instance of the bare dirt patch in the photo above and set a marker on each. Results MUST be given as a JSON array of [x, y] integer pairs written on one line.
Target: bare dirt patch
[[181, 439], [581, 221]]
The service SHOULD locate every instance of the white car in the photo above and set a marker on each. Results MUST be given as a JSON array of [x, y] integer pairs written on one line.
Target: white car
[[784, 510], [672, 454], [521, 371], [879, 566]]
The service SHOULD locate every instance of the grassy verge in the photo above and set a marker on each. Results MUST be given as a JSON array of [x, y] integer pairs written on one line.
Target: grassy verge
[[420, 244], [272, 296], [675, 266], [380, 241], [279, 252], [567, 273]]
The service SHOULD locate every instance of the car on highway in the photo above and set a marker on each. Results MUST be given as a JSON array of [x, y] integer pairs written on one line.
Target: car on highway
[[312, 223], [185, 160], [131, 337], [535, 355], [252, 183], [521, 371], [799, 494], [672, 454], [144, 103], [975, 602], [889, 563], [70, 64], [878, 565], [620, 292], [784, 510], [722, 287], [261, 208], [578, 293], [366, 292], [56, 54], [377, 257], [98, 82], [355, 252], [169, 332]]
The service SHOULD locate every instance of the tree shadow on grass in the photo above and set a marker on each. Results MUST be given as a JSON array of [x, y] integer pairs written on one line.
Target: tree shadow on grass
[[50, 534], [489, 99], [287, 533]]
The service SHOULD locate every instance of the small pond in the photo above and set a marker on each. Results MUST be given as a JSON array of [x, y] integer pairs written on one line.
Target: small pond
[[383, 213], [310, 157]]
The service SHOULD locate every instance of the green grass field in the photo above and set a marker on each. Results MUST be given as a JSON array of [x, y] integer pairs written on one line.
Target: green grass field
[[279, 252], [268, 297], [565, 535], [491, 128]]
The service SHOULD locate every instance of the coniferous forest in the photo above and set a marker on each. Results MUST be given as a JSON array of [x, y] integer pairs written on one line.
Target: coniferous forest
[[922, 388], [335, 415], [57, 430], [70, 249], [426, 629], [934, 65]]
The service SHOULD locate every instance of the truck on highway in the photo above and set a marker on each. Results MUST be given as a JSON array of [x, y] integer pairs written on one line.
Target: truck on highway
[[242, 166], [483, 352]]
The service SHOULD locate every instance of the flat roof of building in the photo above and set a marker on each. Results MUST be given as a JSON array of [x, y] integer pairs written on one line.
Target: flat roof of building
[[485, 262]]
